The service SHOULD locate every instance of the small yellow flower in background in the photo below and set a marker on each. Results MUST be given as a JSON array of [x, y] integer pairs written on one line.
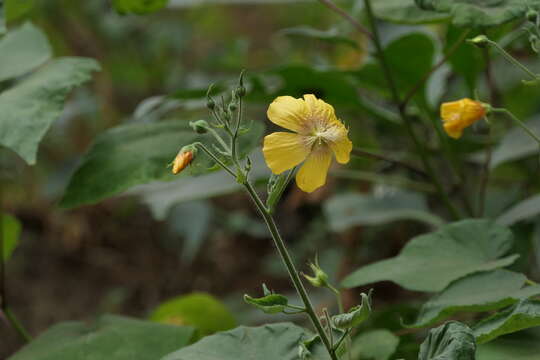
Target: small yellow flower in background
[[182, 160], [457, 115], [317, 135]]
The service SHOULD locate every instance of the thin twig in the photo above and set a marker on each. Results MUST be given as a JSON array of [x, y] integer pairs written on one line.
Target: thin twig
[[402, 112], [359, 27], [367, 154], [426, 76]]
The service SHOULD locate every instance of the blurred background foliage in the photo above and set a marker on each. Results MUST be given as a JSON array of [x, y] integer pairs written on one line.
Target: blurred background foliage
[[129, 254]]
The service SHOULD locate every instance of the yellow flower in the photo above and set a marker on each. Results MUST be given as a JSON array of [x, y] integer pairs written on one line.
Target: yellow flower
[[317, 134], [457, 115], [182, 160]]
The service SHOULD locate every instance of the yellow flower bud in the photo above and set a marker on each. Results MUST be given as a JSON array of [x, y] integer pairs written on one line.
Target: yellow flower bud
[[182, 160], [457, 115]]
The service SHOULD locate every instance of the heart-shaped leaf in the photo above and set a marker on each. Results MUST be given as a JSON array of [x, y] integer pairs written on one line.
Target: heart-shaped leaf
[[110, 337], [477, 292], [430, 262], [480, 13]]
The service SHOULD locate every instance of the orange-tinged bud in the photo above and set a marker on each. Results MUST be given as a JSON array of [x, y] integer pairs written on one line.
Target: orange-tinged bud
[[182, 160], [457, 115]]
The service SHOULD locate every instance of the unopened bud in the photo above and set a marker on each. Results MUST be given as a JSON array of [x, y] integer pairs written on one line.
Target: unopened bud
[[210, 103], [481, 41], [319, 278], [183, 158], [199, 126], [532, 15], [240, 91], [233, 107]]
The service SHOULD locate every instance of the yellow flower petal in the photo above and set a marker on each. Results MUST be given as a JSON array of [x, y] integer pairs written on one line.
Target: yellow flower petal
[[312, 174], [321, 112], [289, 113], [458, 115], [283, 151], [342, 147]]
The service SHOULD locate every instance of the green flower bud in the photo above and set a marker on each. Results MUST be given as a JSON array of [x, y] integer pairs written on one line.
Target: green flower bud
[[532, 15], [481, 41], [199, 126], [319, 278], [240, 91], [233, 106], [210, 103]]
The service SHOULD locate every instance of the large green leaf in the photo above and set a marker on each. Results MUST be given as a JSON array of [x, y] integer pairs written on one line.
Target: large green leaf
[[409, 57], [162, 196], [331, 35], [22, 50], [139, 7], [466, 60], [10, 230], [430, 262], [28, 109], [477, 292], [202, 311], [516, 144], [377, 344], [405, 12], [522, 315], [135, 154], [450, 341], [16, 9], [480, 13], [506, 349], [526, 209], [110, 337], [269, 342], [352, 209]]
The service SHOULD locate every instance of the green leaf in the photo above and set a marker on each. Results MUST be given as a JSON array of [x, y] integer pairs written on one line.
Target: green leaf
[[477, 292], [516, 144], [480, 13], [377, 344], [355, 316], [268, 342], [193, 222], [135, 154], [350, 209], [16, 9], [270, 303], [28, 109], [419, 50], [11, 230], [331, 35], [450, 341], [23, 49], [110, 337], [526, 209], [405, 12], [199, 310], [466, 60], [162, 196], [522, 315], [430, 262], [523, 348], [139, 7]]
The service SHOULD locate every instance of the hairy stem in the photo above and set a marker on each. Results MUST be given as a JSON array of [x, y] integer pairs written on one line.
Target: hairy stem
[[291, 269]]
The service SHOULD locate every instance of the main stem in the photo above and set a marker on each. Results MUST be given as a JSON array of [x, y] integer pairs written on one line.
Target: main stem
[[402, 112], [293, 273]]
